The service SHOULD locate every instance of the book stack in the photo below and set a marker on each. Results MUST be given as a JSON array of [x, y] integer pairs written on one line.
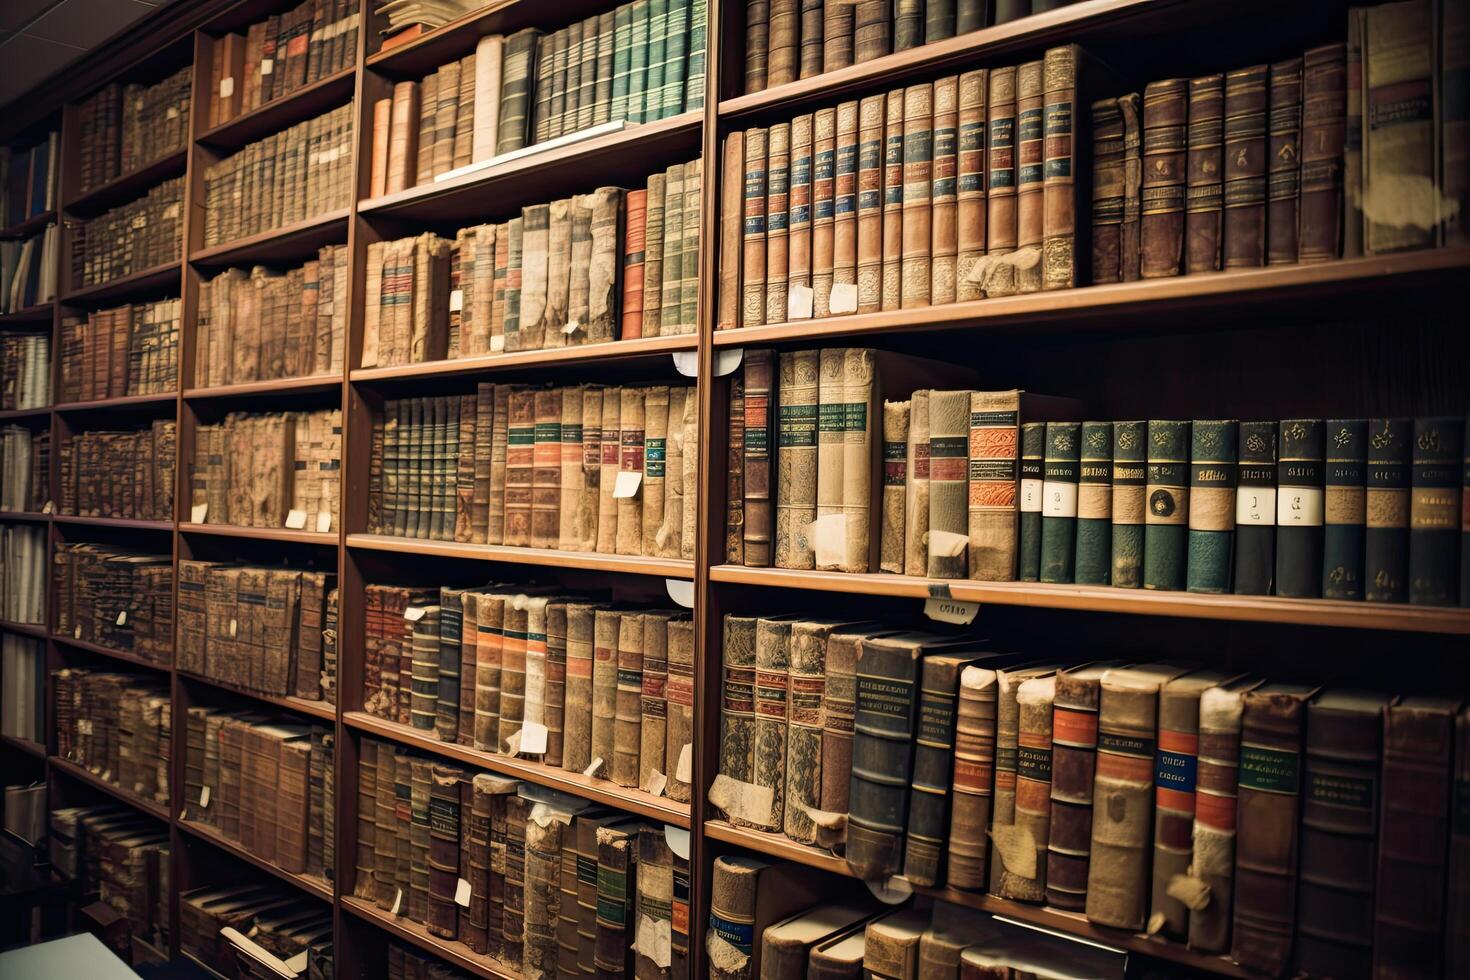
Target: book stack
[[28, 180], [262, 781], [910, 199], [28, 271], [584, 468], [25, 459], [116, 726], [276, 922], [126, 350], [278, 55], [130, 238], [122, 128], [25, 371], [122, 600], [504, 669], [411, 19], [127, 474], [290, 176], [23, 671], [575, 889], [258, 629], [280, 469], [262, 325], [23, 573], [122, 858]]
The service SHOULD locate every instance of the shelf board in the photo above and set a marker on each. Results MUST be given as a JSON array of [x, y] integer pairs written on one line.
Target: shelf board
[[315, 887], [129, 186], [122, 401], [597, 790], [1101, 598], [123, 522], [547, 557], [1071, 923], [284, 535], [25, 745], [82, 774], [1107, 304], [298, 240], [317, 709], [28, 227], [152, 280], [40, 313], [412, 59], [253, 389], [406, 929], [29, 629], [304, 103], [639, 347], [26, 516], [125, 656], [23, 413]]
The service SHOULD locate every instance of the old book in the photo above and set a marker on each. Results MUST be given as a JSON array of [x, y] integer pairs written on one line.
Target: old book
[[1203, 161], [1255, 509], [1399, 131], [916, 488], [606, 633], [1165, 114], [1001, 174], [1344, 508], [634, 256], [1074, 761], [403, 137], [824, 186], [630, 460], [918, 157], [628, 700], [796, 462], [1458, 937], [735, 473], [1434, 499], [974, 778], [1108, 173], [872, 31], [1032, 464], [1059, 192], [1324, 123], [839, 706], [737, 707], [871, 112], [843, 298], [656, 443], [892, 200], [1059, 495], [945, 185], [1165, 535], [1013, 854], [1266, 855], [841, 957], [610, 447], [772, 703], [806, 688], [1299, 508], [1244, 188], [1283, 153], [747, 896], [1130, 252], [546, 470], [1030, 163], [786, 946], [577, 713], [831, 398], [895, 455], [892, 944], [1212, 477], [778, 185], [679, 742], [970, 181], [799, 217], [1094, 505], [1022, 846], [669, 265], [934, 735], [732, 231], [836, 35], [756, 481], [948, 540], [753, 263]]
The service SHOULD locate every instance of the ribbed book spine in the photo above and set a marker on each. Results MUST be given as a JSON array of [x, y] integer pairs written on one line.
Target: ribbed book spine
[[949, 429], [1165, 536], [1030, 190], [844, 211], [1165, 112], [1386, 537], [757, 44], [1245, 167], [1324, 126], [1130, 253], [969, 181], [799, 222], [1000, 166], [753, 265], [895, 451], [778, 164], [974, 779], [1202, 208], [737, 699], [796, 463], [1059, 499], [1434, 512], [1299, 508], [757, 463], [945, 202], [933, 763], [870, 204], [772, 705], [1283, 151], [824, 172], [882, 757], [1344, 509], [893, 146], [1033, 466], [1107, 191], [1059, 192], [1212, 477], [1255, 509], [1094, 505], [1130, 502]]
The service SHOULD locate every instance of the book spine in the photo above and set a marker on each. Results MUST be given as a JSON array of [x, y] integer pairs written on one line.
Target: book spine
[[1117, 880], [893, 145], [1074, 761], [1034, 701], [895, 449], [945, 244], [772, 695], [1399, 126], [628, 701], [632, 453], [1130, 250], [1030, 499], [678, 747], [1386, 537], [872, 31], [778, 176], [974, 779], [1203, 206], [1059, 500], [837, 28], [757, 44], [1299, 508], [882, 757], [970, 181], [949, 431], [838, 708], [1165, 113], [1244, 176], [1434, 511], [1212, 480], [934, 736], [753, 266], [737, 699], [824, 162], [1030, 167], [844, 211], [1130, 502], [870, 204], [1165, 535], [757, 458], [796, 464], [784, 29], [993, 485], [918, 158], [1324, 126], [799, 222], [806, 688], [1283, 153], [1000, 166], [1059, 191], [1345, 509], [1094, 504]]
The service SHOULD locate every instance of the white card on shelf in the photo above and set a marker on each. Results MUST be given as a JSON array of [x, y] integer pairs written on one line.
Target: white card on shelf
[[686, 362], [198, 513], [799, 301], [533, 738], [227, 86], [591, 769], [627, 484], [844, 298], [296, 520], [684, 771], [727, 360], [324, 522]]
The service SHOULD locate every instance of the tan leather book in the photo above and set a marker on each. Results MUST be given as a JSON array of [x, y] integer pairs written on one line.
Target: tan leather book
[[746, 897], [831, 432], [631, 460], [918, 155], [844, 211], [1244, 187], [489, 68], [895, 456], [970, 208], [871, 115], [668, 534], [653, 727], [1130, 252], [891, 944], [587, 502], [802, 790], [1059, 190], [656, 442], [1032, 826], [916, 490], [575, 329], [689, 534], [446, 114], [602, 274], [796, 457], [787, 945], [1001, 169], [656, 245], [772, 694], [1030, 163], [949, 440], [753, 263], [571, 519], [611, 460], [672, 283], [382, 124], [628, 700], [861, 434], [732, 218], [824, 186], [403, 137], [799, 217], [576, 750], [737, 701], [778, 185], [679, 738], [427, 123], [535, 281], [758, 398], [499, 457], [1400, 145], [548, 331], [837, 27], [945, 168], [1013, 846], [606, 634]]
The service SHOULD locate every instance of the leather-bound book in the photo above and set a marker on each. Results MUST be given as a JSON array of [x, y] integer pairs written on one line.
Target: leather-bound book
[[1033, 462], [796, 458], [577, 712], [802, 786], [631, 459], [870, 173], [606, 625], [451, 616], [970, 180], [554, 713], [653, 487], [1107, 190], [1299, 508], [1283, 153], [1009, 10], [617, 867], [1130, 251], [737, 704], [1030, 167], [1073, 763], [872, 31], [1334, 930], [753, 265], [786, 945], [837, 27], [679, 737], [1094, 505], [810, 56], [1245, 166], [757, 44], [916, 502], [970, 15], [1212, 478], [489, 641], [948, 540], [1009, 847], [424, 697], [1060, 68], [1266, 850], [735, 474], [1203, 203], [772, 703], [1457, 953], [1022, 848], [893, 143], [839, 707], [1000, 165], [659, 245], [778, 178], [1255, 509], [945, 190], [892, 944], [513, 932], [572, 520], [862, 377], [783, 58], [427, 126], [839, 958], [732, 231], [489, 70], [546, 470], [895, 453], [1323, 131], [1353, 225], [382, 124], [444, 857], [609, 464], [513, 674], [1123, 794], [1165, 118], [746, 897], [1434, 512], [824, 186], [832, 398], [1344, 508], [544, 846], [1399, 112], [628, 700], [1059, 493], [519, 467], [928, 824], [403, 137], [939, 20], [844, 209], [602, 272], [908, 24], [654, 902], [758, 399], [799, 214]]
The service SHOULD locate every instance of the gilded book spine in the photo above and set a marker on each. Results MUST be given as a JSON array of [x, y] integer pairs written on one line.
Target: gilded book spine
[[1000, 219], [1059, 220], [1059, 492], [994, 438], [1299, 508], [1344, 510], [844, 211], [1130, 251], [796, 463], [1255, 510], [970, 181], [1107, 191], [895, 448], [1165, 533], [753, 265], [1386, 538], [870, 204], [824, 172], [1095, 505], [1203, 163], [1033, 461], [1165, 112], [1212, 476], [1283, 154], [892, 288], [1030, 184], [948, 542], [772, 692], [974, 779], [799, 221], [945, 202], [778, 177], [1245, 167]]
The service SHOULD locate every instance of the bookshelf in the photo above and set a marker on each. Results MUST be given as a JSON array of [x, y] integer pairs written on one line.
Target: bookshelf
[[1399, 359]]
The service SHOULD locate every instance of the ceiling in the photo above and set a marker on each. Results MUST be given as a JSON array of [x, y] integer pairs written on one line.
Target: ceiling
[[39, 38]]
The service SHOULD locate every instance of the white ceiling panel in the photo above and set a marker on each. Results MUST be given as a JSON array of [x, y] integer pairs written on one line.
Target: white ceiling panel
[[86, 23]]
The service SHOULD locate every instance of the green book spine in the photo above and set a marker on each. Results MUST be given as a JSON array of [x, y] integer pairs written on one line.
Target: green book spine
[[676, 59], [1095, 505], [1434, 512], [1212, 464], [1164, 533], [1386, 538], [1299, 509], [698, 39], [1033, 461], [415, 435], [1060, 475], [1255, 510], [561, 55], [638, 61], [1129, 502], [658, 46], [1344, 510], [451, 626], [882, 757], [622, 59]]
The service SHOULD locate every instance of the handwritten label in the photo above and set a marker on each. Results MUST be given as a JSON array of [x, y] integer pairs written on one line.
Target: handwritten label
[[951, 611]]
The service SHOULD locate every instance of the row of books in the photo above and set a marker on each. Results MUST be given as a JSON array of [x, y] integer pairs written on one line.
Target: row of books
[[25, 371], [130, 238], [899, 201], [266, 782], [448, 120], [116, 726], [279, 469], [23, 573], [252, 930], [574, 889], [28, 180], [28, 271], [23, 672], [25, 460], [125, 350], [576, 684], [790, 39], [120, 599], [263, 325], [122, 128], [278, 55], [289, 176], [121, 858], [580, 468], [272, 630], [127, 473]]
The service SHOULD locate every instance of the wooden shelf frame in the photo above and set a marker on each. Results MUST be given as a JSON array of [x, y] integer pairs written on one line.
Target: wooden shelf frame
[[129, 186], [28, 227], [320, 710], [158, 811], [543, 557], [124, 656], [315, 887]]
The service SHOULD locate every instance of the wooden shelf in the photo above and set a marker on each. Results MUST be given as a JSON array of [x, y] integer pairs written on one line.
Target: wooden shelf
[[40, 313], [1106, 304], [120, 402], [129, 186], [29, 629], [24, 516], [125, 656], [35, 749], [209, 971], [291, 242], [285, 535], [315, 887], [278, 114], [162, 279], [640, 347], [82, 774], [453, 952], [317, 709], [548, 557], [1101, 598], [412, 59], [28, 227], [1071, 923], [588, 788], [276, 386], [23, 413], [124, 522]]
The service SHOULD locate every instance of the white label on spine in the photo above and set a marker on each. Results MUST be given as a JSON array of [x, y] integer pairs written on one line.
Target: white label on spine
[[533, 738], [267, 65], [497, 343], [122, 618], [1058, 499], [1031, 496], [843, 298], [1255, 505], [684, 771], [204, 796], [799, 301], [324, 522], [627, 484], [462, 893], [413, 613], [227, 86], [296, 519], [198, 512], [1299, 506], [456, 300]]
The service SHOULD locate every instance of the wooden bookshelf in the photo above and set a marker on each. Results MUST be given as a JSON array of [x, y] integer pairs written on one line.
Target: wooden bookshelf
[[28, 629], [24, 516], [316, 709], [84, 775], [34, 749], [121, 402], [16, 414], [158, 281], [125, 656], [455, 953], [544, 557], [304, 103], [315, 887], [28, 227], [312, 384], [40, 313], [296, 241], [131, 524], [283, 535], [129, 186], [640, 349]]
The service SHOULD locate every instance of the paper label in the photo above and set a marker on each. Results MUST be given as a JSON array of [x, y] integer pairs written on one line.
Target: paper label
[[324, 522], [799, 302], [627, 484], [296, 520], [1255, 505], [297, 963], [198, 512], [828, 535], [533, 738], [497, 343], [397, 902], [951, 611], [267, 65], [173, 112], [456, 300], [572, 327], [653, 940], [462, 893], [654, 785], [684, 771], [1299, 506], [234, 628], [843, 298], [947, 544], [204, 796], [1059, 499], [48, 507], [743, 801], [513, 744], [227, 86], [413, 613], [591, 769], [122, 618], [77, 633], [681, 590], [1031, 496]]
